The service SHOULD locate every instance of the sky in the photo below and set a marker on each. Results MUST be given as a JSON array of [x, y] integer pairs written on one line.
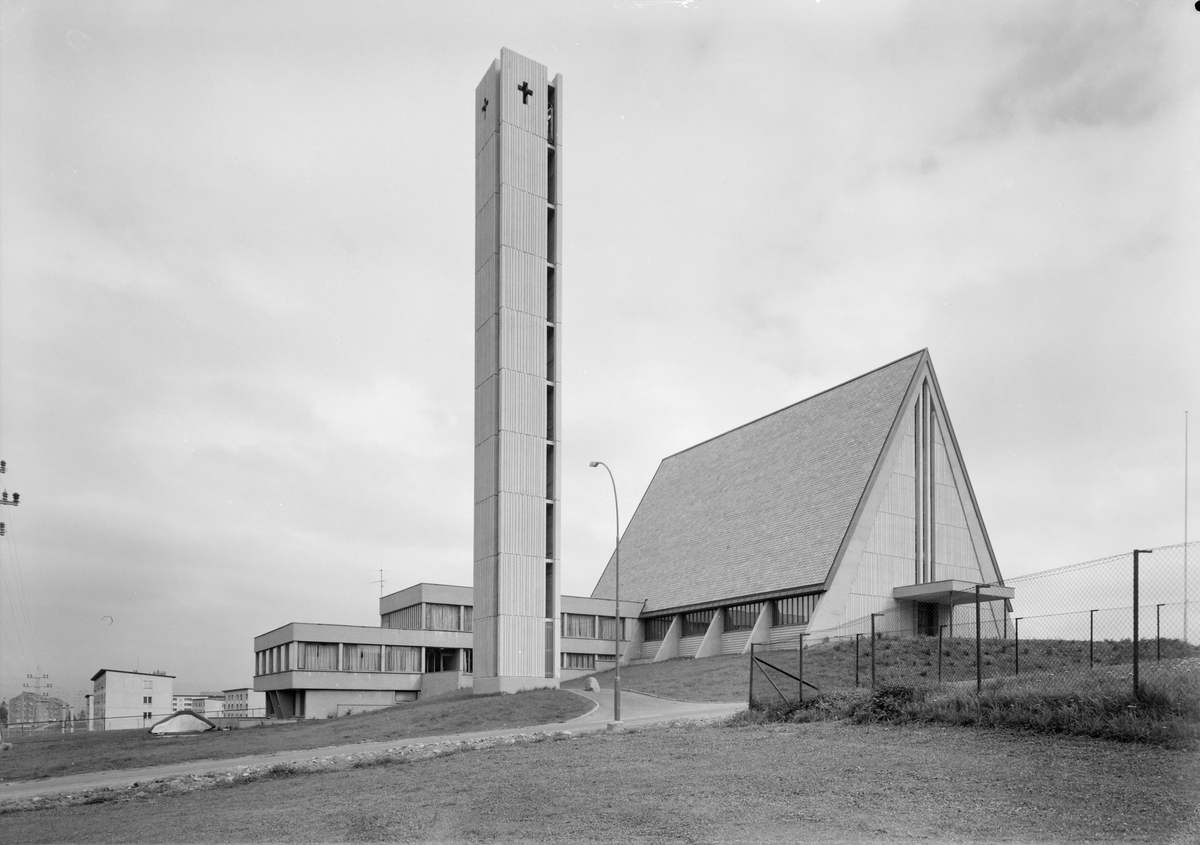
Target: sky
[[236, 283]]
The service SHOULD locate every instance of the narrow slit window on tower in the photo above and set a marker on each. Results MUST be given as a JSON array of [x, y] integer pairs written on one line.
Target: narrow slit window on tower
[[551, 297], [551, 194], [549, 470], [551, 102], [550, 353], [549, 529], [549, 412], [551, 240]]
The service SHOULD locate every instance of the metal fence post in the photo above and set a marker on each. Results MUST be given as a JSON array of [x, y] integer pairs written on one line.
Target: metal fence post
[[978, 645], [750, 704], [1091, 638], [1158, 633], [1136, 686], [1017, 652], [940, 629], [857, 639], [873, 615], [800, 670]]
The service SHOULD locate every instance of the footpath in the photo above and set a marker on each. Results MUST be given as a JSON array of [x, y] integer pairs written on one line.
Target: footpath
[[637, 710]]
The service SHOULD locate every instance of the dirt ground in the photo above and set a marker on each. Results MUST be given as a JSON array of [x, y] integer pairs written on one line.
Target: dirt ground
[[823, 782]]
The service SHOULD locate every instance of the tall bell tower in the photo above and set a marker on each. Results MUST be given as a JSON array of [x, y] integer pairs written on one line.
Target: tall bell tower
[[518, 302]]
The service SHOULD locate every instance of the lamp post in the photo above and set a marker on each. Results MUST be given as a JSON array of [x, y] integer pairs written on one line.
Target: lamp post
[[616, 601]]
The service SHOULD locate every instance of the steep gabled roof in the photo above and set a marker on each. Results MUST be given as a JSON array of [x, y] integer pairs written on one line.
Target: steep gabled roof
[[764, 508]]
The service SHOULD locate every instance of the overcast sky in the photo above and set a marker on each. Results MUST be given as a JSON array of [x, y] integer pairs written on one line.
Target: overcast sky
[[236, 283]]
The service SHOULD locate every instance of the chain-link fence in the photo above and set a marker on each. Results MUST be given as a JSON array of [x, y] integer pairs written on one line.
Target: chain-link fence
[[1063, 629]]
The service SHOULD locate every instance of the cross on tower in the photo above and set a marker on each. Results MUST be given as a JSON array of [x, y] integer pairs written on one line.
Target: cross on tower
[[485, 105], [525, 92]]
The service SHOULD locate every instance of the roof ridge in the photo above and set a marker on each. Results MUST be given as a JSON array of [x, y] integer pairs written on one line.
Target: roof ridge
[[921, 351]]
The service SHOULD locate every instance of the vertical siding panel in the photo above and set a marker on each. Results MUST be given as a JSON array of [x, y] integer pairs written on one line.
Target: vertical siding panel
[[485, 578], [688, 646], [522, 343], [487, 173], [523, 403], [486, 365], [485, 528], [486, 122], [486, 409], [523, 161], [485, 231], [529, 115], [522, 580], [524, 282], [734, 643], [485, 469], [487, 290], [522, 464], [522, 525]]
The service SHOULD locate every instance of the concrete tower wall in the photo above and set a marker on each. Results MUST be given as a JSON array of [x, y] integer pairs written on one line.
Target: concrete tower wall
[[517, 340]]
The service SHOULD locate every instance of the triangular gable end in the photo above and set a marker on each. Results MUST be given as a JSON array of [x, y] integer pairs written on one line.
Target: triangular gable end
[[761, 510], [917, 521]]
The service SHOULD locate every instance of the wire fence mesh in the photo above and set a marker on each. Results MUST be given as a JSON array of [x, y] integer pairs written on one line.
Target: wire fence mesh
[[1061, 629]]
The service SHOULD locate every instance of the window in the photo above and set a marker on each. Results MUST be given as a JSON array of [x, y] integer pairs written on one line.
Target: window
[[361, 658], [147, 716], [407, 618], [608, 628], [468, 618], [468, 660], [742, 617], [657, 627], [578, 625], [403, 658], [695, 624], [147, 699], [578, 661], [442, 617], [147, 684], [319, 656], [795, 610]]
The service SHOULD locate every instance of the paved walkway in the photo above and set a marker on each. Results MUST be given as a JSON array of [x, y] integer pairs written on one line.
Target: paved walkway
[[636, 710]]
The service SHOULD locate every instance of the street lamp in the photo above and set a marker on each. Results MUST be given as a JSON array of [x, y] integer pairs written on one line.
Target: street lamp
[[616, 601]]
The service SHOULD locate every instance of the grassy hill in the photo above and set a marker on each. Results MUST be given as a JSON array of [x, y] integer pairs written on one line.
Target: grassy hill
[[43, 754]]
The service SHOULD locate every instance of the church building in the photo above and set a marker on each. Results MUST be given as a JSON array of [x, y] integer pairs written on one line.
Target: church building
[[853, 502]]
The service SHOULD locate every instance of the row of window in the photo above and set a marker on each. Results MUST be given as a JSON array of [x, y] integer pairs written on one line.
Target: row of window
[[793, 610], [571, 660], [357, 657], [430, 617], [589, 627]]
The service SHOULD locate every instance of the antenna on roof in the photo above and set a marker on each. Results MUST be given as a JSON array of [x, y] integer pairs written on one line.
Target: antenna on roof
[[380, 582]]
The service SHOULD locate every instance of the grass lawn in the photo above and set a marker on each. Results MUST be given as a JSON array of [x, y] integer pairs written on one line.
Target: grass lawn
[[819, 782], [50, 755]]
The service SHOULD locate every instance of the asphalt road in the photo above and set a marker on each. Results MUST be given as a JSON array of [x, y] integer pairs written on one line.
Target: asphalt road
[[636, 710]]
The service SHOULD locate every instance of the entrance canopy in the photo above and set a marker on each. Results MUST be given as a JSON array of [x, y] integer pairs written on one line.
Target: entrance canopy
[[952, 592]]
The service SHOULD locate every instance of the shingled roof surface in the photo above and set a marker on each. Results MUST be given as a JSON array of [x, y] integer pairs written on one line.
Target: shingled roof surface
[[762, 508]]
